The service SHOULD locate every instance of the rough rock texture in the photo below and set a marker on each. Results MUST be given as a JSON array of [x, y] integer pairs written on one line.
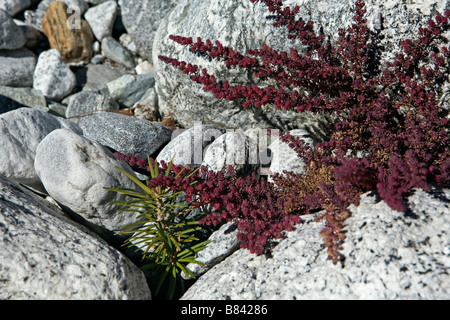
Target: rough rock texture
[[284, 158], [52, 76], [11, 36], [101, 18], [17, 67], [141, 20], [125, 134], [46, 256], [129, 89], [15, 6], [112, 49], [74, 43], [188, 146], [243, 26], [75, 171], [388, 255], [13, 98], [235, 149], [21, 131], [85, 102]]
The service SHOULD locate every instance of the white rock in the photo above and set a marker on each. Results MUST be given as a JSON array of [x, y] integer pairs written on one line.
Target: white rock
[[75, 170], [46, 256], [188, 146], [232, 148], [52, 76], [21, 132], [101, 18], [388, 255], [11, 36]]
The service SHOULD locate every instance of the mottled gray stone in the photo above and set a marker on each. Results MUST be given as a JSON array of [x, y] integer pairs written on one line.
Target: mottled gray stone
[[17, 67], [15, 6], [52, 76], [86, 102], [112, 49], [21, 132], [141, 20], [188, 146], [388, 255], [45, 256], [125, 134], [101, 18], [96, 76], [243, 25], [75, 170], [11, 36], [14, 98], [129, 89]]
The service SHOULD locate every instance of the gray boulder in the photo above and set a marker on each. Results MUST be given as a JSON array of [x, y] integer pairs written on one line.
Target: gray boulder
[[388, 255], [244, 25], [52, 76], [15, 6], [17, 67], [45, 256], [141, 20], [95, 76], [125, 134], [11, 36], [188, 146], [75, 171], [21, 132]]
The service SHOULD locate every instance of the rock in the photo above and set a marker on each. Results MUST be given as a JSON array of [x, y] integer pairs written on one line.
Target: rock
[[129, 89], [243, 25], [125, 134], [74, 170], [15, 6], [113, 50], [101, 18], [388, 255], [76, 8], [95, 77], [14, 98], [223, 243], [141, 20], [85, 102], [52, 76], [17, 67], [21, 132], [144, 67], [32, 35], [74, 42], [45, 256], [11, 36], [235, 149], [188, 146], [286, 159]]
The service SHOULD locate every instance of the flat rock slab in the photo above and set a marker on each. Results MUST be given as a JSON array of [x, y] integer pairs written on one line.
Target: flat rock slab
[[125, 134]]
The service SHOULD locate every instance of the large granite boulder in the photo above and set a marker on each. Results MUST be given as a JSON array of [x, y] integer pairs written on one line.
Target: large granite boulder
[[388, 255], [45, 256]]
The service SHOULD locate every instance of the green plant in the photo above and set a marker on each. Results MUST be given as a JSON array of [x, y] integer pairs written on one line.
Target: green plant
[[162, 231]]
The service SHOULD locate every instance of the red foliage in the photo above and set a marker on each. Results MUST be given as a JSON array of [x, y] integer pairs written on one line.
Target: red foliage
[[389, 115]]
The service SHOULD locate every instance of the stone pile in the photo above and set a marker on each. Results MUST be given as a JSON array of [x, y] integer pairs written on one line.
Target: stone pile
[[80, 80]]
